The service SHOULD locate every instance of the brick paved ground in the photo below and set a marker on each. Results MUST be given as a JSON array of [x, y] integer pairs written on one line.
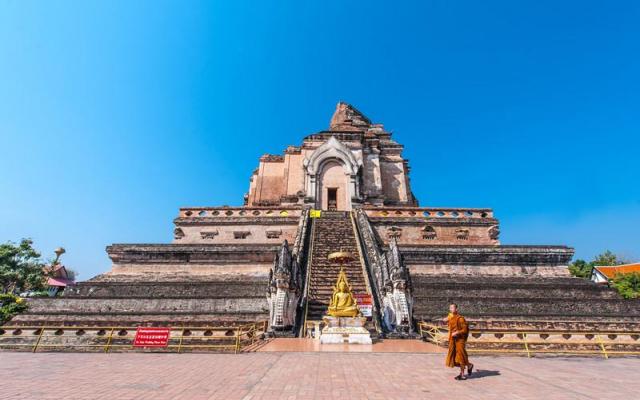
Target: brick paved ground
[[308, 375]]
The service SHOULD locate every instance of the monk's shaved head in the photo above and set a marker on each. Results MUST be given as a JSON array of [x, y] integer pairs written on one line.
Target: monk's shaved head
[[453, 308]]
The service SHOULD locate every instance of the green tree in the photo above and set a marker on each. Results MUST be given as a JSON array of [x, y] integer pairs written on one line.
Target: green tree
[[582, 269], [21, 268], [608, 258], [10, 305], [628, 285]]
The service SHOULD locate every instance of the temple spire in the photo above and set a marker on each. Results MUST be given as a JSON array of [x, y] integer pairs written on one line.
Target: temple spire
[[348, 118]]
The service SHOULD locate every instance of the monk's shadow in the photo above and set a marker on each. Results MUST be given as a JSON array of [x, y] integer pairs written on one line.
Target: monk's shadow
[[483, 373]]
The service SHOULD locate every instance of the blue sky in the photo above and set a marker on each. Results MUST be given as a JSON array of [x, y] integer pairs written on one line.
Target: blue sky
[[115, 114]]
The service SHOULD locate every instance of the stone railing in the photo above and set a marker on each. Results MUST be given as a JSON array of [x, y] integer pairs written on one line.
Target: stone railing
[[416, 212], [531, 342], [301, 244], [372, 253], [249, 212], [106, 339]]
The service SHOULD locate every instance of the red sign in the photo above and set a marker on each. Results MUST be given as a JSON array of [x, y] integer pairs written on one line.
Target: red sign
[[363, 299], [152, 337], [365, 304]]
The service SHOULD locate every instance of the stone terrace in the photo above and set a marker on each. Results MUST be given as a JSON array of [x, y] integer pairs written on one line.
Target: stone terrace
[[123, 300], [526, 301]]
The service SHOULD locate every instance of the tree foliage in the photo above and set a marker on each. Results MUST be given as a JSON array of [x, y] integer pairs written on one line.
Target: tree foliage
[[10, 305], [21, 268], [582, 269], [628, 285]]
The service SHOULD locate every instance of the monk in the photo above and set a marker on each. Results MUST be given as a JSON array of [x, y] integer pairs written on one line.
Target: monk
[[458, 333]]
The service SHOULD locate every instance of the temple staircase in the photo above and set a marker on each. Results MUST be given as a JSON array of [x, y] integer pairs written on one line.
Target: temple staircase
[[332, 232]]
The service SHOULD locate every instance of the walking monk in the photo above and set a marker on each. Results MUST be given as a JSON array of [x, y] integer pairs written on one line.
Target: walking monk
[[458, 333]]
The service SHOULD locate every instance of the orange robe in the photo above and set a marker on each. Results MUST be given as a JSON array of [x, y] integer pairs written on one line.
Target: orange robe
[[457, 355]]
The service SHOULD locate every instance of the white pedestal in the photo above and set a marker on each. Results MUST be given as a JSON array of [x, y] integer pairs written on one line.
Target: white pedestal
[[339, 330]]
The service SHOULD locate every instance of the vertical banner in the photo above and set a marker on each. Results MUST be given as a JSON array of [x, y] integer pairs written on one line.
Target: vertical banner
[[152, 337]]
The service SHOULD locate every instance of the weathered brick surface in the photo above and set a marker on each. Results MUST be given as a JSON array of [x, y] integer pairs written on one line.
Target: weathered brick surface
[[523, 300]]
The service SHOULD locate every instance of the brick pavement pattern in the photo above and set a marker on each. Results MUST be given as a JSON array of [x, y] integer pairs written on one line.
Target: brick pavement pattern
[[309, 376]]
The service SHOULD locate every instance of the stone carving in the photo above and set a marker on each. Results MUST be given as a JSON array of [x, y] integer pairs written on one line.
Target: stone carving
[[273, 234], [462, 234], [391, 282], [397, 303], [428, 233], [178, 233], [394, 232], [494, 232], [285, 283], [208, 234]]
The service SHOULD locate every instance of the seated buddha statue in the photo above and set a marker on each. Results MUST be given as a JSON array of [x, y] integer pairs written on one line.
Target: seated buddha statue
[[342, 302]]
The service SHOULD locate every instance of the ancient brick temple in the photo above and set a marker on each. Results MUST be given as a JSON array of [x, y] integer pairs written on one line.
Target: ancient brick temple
[[267, 259]]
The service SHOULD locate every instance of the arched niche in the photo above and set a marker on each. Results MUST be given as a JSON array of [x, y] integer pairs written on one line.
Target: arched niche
[[323, 163]]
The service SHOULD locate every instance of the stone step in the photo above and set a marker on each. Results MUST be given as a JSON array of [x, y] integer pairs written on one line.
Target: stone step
[[331, 235]]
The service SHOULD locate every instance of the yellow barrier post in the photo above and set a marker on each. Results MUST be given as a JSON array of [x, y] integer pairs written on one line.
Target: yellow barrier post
[[601, 343], [106, 348], [238, 330], [35, 347], [526, 345], [180, 342]]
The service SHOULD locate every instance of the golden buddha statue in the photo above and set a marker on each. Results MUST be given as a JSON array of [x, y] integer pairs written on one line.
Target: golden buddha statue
[[342, 302]]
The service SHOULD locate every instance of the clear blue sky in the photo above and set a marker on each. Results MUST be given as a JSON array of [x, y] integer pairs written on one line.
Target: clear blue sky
[[114, 114]]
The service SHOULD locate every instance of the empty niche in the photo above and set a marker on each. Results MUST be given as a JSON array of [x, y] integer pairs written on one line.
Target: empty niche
[[208, 234], [273, 234], [241, 234]]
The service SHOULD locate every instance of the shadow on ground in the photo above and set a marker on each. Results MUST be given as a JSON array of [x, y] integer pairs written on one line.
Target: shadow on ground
[[483, 373]]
